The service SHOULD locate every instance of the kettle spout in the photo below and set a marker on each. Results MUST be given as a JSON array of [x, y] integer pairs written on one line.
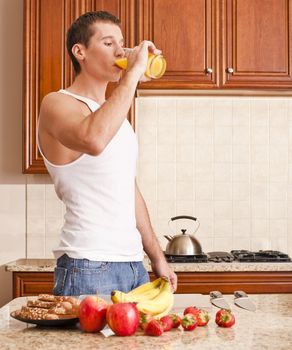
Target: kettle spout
[[168, 237]]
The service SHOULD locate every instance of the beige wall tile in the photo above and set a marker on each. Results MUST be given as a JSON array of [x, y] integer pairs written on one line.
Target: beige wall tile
[[259, 153], [241, 153], [222, 172], [222, 191], [203, 191], [241, 135], [147, 111], [241, 112], [278, 113], [222, 111], [223, 153], [241, 191], [204, 153], [228, 163], [241, 229], [185, 112], [184, 207], [222, 135], [259, 110], [36, 248], [241, 210], [259, 227], [203, 112], [223, 210], [166, 112], [204, 135], [223, 227]]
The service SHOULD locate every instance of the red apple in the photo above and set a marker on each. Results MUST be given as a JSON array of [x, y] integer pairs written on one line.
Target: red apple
[[92, 314], [123, 318]]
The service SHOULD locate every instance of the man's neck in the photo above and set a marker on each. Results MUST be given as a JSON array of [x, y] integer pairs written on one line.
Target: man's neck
[[89, 87]]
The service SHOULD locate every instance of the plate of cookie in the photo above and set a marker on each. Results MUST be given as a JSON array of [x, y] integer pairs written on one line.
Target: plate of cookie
[[49, 310]]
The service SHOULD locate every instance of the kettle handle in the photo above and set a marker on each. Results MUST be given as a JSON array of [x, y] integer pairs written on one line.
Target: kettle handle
[[183, 217]]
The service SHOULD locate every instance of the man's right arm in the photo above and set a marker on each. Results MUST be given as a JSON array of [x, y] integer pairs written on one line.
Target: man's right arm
[[91, 134]]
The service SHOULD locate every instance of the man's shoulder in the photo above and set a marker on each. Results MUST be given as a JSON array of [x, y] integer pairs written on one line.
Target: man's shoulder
[[58, 101]]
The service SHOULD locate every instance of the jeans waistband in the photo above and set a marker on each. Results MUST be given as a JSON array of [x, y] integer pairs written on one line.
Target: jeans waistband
[[67, 262]]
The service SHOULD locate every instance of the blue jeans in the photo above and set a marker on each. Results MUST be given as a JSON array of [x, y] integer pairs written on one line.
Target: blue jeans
[[83, 276]]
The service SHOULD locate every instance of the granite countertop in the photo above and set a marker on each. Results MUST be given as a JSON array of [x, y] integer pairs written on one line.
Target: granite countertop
[[47, 265], [267, 328]]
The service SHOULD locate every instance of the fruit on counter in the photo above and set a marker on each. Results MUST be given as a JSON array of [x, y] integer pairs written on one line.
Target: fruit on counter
[[144, 320], [154, 328], [161, 304], [123, 318], [224, 318], [201, 315], [155, 298], [176, 320], [92, 313], [167, 322], [189, 322], [146, 291]]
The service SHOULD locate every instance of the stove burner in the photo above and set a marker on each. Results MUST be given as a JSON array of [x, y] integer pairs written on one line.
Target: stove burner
[[220, 257], [199, 258], [260, 256]]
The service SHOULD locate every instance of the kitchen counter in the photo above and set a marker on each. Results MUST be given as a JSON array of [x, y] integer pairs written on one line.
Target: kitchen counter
[[267, 328], [47, 265]]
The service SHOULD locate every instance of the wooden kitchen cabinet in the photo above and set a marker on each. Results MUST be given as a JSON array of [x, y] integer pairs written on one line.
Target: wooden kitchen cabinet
[[34, 283], [256, 43], [186, 32]]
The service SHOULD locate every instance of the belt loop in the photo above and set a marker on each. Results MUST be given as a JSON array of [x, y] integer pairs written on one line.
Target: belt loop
[[85, 263]]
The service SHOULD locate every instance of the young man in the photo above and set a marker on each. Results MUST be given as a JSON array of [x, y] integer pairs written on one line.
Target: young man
[[90, 151]]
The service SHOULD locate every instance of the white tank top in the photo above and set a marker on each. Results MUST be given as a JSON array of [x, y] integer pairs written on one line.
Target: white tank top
[[99, 195]]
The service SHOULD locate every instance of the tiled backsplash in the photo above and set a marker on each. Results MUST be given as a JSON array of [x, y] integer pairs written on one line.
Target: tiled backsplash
[[225, 160]]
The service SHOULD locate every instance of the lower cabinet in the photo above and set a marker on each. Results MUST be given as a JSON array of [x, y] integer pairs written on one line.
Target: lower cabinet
[[34, 283], [228, 282]]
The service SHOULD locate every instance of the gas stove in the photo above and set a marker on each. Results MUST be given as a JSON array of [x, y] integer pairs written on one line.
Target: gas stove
[[234, 255], [260, 256], [199, 258]]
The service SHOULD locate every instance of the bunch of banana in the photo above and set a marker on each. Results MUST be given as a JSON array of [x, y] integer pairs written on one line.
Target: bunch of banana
[[155, 298]]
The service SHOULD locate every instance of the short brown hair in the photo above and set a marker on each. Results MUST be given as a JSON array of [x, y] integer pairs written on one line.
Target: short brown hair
[[81, 31]]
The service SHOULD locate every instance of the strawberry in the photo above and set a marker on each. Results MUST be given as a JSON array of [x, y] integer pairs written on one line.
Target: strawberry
[[167, 322], [203, 318], [154, 328], [144, 320], [189, 322], [201, 315], [224, 318], [191, 310], [176, 320]]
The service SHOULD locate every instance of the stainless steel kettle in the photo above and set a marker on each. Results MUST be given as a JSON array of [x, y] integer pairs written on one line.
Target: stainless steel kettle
[[183, 244]]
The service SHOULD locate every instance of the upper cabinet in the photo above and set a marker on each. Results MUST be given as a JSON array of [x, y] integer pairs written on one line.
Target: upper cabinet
[[185, 31], [256, 43], [208, 44]]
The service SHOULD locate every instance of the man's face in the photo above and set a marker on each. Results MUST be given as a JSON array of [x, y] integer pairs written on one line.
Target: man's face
[[105, 46]]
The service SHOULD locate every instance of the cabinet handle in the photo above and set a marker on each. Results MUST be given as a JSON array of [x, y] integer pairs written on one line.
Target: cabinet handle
[[209, 70], [229, 70]]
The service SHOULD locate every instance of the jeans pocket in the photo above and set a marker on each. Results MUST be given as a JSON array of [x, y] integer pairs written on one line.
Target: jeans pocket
[[60, 275], [89, 281]]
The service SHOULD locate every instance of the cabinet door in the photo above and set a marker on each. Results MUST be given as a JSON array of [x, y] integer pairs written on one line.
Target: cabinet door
[[185, 30], [257, 39], [47, 66]]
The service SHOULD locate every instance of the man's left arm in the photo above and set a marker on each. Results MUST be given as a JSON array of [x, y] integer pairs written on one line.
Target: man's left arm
[[150, 242]]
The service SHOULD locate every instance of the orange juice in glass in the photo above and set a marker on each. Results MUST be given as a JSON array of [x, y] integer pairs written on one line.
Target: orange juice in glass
[[156, 65]]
